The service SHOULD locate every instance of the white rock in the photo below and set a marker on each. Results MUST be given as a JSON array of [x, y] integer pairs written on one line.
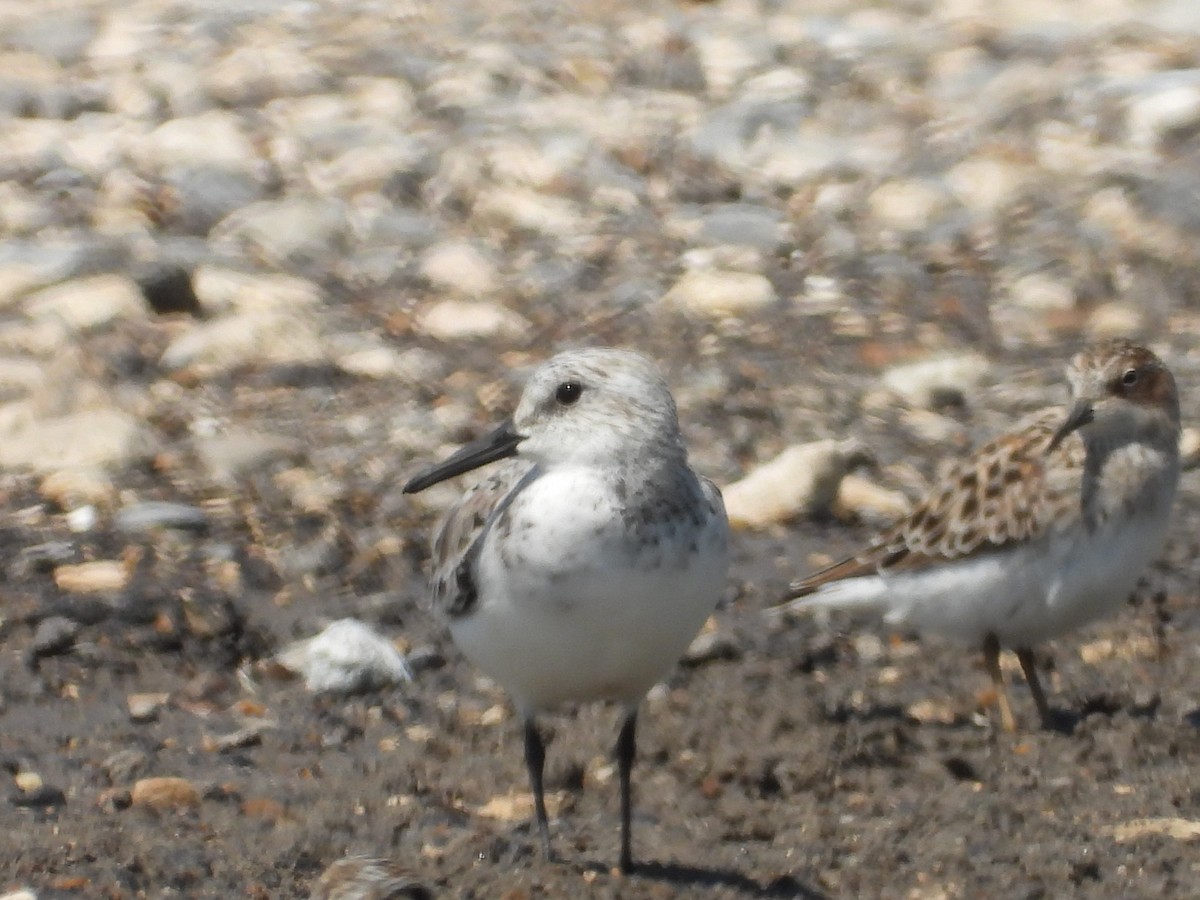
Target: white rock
[[1164, 103], [86, 304], [347, 657], [95, 438], [1189, 447], [219, 289], [526, 208], [293, 230], [802, 480], [19, 894], [218, 345], [985, 185], [870, 501], [932, 382], [215, 138], [908, 205], [1116, 319], [455, 320], [459, 267], [720, 293]]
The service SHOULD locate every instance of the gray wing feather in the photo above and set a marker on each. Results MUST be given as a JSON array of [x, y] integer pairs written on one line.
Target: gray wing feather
[[459, 536]]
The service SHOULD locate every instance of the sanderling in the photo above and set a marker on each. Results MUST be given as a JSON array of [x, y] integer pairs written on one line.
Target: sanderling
[[583, 568], [1040, 531]]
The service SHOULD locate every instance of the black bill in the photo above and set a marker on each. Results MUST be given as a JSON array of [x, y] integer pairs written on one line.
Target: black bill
[[499, 444], [1081, 413]]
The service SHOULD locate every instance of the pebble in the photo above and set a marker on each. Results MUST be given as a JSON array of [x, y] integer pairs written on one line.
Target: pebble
[[456, 320], [151, 515], [89, 303], [866, 500], [90, 439], [802, 480], [98, 576], [347, 657], [53, 636], [460, 268], [146, 707], [164, 793], [944, 381], [719, 294]]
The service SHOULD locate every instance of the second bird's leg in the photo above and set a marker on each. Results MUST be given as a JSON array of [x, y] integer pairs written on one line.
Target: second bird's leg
[[535, 762], [991, 660], [625, 752], [1029, 667]]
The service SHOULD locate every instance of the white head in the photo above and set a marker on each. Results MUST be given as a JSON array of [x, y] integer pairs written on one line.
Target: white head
[[592, 407]]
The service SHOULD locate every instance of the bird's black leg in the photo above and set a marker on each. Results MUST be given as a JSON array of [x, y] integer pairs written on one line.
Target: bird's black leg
[[535, 762], [626, 750]]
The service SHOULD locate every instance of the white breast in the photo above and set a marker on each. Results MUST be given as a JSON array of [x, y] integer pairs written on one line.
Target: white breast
[[570, 611]]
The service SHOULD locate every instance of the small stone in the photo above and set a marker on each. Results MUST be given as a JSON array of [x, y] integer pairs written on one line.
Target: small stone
[[165, 793], [19, 894], [494, 715], [214, 138], [1162, 105], [518, 806], [70, 488], [277, 337], [53, 636], [95, 577], [529, 210], [718, 294], [91, 439], [83, 518], [154, 514], [911, 205], [931, 712], [1189, 447], [145, 707], [802, 480], [461, 268], [1113, 320], [347, 657], [249, 736], [869, 501], [296, 230], [1179, 829], [455, 320], [28, 781], [88, 304], [711, 646], [220, 289], [938, 382]]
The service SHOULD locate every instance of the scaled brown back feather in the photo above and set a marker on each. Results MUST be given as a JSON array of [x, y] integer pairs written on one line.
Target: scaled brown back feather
[[1010, 490]]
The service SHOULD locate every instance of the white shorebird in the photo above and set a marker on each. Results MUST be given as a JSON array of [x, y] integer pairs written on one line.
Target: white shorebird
[[582, 569], [1040, 531]]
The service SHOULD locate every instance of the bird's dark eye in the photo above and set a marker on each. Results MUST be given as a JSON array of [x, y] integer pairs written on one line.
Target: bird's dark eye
[[568, 392], [1130, 378]]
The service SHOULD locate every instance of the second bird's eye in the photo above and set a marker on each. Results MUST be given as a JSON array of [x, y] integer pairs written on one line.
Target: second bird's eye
[[568, 392], [1129, 378]]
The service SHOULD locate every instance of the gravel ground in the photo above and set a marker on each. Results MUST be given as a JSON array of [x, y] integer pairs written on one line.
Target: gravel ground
[[261, 261]]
